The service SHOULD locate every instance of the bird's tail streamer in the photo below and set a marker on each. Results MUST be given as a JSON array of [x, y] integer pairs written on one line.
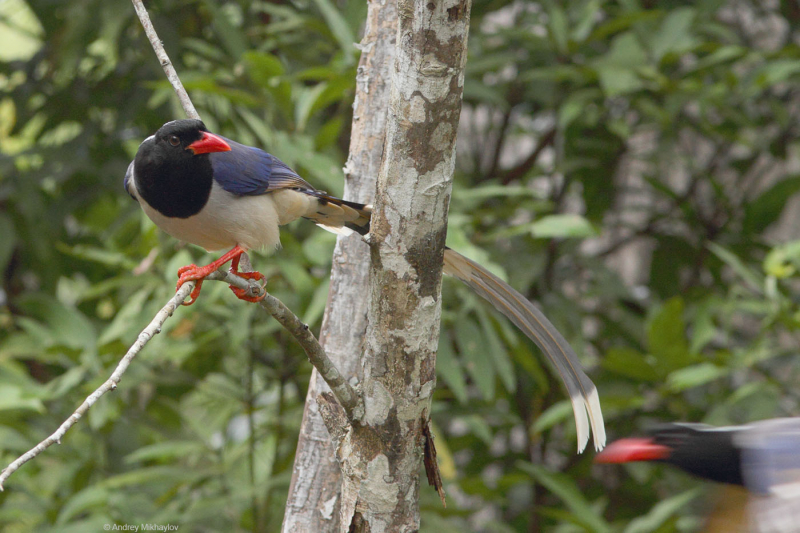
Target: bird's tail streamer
[[531, 321], [344, 217]]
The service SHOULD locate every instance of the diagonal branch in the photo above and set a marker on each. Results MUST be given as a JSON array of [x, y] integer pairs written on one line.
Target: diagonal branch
[[111, 383]]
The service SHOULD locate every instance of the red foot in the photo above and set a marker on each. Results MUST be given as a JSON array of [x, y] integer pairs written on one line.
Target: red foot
[[194, 272], [242, 293]]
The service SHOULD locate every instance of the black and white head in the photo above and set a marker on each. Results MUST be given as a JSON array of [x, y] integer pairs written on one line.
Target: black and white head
[[704, 451], [172, 171]]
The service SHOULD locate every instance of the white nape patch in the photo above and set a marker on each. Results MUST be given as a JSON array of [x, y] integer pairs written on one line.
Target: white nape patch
[[225, 221]]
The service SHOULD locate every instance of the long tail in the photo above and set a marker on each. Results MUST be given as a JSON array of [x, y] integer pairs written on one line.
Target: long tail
[[531, 321], [340, 216]]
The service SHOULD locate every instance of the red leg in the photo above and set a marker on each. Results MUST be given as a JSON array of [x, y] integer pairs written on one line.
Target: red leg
[[194, 272], [242, 293]]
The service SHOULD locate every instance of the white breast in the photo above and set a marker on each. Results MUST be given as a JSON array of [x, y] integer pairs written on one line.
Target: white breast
[[225, 221]]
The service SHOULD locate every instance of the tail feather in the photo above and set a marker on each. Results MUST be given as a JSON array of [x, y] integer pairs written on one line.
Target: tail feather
[[582, 392], [336, 215], [343, 217]]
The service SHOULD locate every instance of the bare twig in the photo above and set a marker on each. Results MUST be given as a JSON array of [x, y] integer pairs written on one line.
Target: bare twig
[[344, 393], [520, 170], [163, 58], [111, 383]]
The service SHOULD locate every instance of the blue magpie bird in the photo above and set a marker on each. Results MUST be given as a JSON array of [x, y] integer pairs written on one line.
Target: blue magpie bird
[[763, 457], [218, 194]]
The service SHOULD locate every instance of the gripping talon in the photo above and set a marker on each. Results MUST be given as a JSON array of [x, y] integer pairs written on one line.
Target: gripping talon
[[242, 293]]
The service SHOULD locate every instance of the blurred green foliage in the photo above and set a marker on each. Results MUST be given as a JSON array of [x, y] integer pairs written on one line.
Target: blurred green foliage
[[631, 165]]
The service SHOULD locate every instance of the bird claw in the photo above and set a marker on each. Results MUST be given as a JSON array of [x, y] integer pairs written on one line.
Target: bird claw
[[192, 273], [242, 294], [198, 274]]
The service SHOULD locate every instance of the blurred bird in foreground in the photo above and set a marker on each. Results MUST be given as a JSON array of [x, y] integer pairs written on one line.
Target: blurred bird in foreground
[[762, 457]]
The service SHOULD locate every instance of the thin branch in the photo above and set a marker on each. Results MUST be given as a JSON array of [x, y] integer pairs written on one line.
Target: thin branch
[[111, 383], [520, 170], [344, 393], [163, 58]]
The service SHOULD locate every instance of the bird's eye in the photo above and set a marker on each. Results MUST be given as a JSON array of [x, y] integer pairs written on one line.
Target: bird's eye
[[173, 140]]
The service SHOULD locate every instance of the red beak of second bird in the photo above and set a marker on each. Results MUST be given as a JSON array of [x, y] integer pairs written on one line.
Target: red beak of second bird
[[629, 450]]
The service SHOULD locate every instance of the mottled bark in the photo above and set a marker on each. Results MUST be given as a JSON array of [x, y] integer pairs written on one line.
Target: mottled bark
[[382, 458], [314, 500]]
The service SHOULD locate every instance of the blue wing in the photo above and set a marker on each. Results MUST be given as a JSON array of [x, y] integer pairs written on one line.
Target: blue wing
[[771, 456], [248, 171]]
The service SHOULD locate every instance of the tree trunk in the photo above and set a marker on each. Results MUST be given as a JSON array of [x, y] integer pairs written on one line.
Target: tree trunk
[[381, 458], [313, 504]]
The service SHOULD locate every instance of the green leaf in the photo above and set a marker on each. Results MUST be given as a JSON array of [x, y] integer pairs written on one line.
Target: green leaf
[[768, 206], [674, 35], [666, 337], [64, 383], [750, 276], [662, 511], [567, 491], [174, 475], [497, 352], [783, 261], [694, 376], [776, 71], [65, 324], [630, 363], [449, 369], [165, 451], [316, 307], [723, 54], [473, 350], [7, 241], [230, 36], [81, 502], [559, 28], [562, 226], [339, 27], [263, 68], [97, 255], [617, 69], [555, 414], [479, 428], [126, 321]]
